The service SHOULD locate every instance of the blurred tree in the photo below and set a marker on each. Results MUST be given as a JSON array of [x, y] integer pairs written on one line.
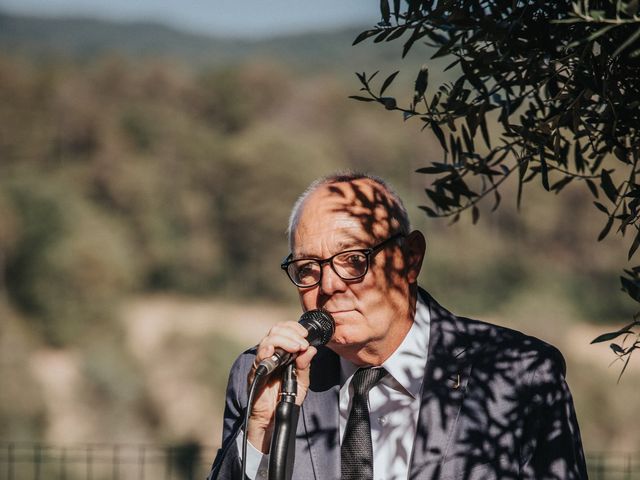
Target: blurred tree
[[68, 263], [563, 80], [251, 219], [232, 98]]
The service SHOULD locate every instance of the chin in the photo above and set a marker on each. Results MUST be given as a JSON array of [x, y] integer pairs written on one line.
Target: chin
[[337, 341], [342, 338]]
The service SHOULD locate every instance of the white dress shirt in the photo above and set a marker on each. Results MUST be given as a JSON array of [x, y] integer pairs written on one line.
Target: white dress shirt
[[394, 404]]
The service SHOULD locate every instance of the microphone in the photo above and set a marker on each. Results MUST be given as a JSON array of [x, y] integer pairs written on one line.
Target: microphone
[[319, 324]]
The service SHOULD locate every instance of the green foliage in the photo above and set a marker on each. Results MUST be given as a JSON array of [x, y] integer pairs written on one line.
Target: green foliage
[[139, 129], [251, 216], [563, 80], [68, 264], [119, 178]]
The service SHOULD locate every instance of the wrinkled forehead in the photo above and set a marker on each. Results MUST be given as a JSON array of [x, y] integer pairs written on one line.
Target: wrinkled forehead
[[360, 208]]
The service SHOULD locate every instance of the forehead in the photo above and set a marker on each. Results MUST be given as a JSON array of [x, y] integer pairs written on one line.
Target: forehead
[[341, 215]]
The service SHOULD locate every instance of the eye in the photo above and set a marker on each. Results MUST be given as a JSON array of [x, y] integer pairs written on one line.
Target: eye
[[355, 259], [351, 264], [306, 269]]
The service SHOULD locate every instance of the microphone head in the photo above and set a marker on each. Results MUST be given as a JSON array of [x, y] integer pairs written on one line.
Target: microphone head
[[320, 325]]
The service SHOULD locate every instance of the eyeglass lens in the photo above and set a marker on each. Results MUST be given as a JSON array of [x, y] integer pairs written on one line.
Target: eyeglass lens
[[348, 265]]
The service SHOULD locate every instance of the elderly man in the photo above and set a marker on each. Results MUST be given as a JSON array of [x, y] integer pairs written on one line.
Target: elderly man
[[404, 389]]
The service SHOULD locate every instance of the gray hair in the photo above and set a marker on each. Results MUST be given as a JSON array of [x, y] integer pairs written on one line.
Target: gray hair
[[401, 214]]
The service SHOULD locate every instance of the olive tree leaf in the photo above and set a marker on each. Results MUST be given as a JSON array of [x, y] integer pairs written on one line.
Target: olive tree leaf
[[422, 80], [388, 81]]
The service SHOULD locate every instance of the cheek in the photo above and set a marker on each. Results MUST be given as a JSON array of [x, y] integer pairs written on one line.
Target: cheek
[[309, 299], [380, 294], [390, 276]]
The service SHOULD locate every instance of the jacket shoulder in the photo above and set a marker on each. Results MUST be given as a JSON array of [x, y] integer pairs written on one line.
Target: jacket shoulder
[[491, 344], [495, 337]]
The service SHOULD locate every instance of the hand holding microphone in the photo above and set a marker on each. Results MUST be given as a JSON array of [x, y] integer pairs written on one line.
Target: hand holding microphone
[[319, 326], [285, 342]]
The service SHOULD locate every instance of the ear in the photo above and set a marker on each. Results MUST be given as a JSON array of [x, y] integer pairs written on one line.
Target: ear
[[415, 247]]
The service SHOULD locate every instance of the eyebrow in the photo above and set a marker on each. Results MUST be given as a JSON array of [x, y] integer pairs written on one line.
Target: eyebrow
[[341, 246], [347, 244]]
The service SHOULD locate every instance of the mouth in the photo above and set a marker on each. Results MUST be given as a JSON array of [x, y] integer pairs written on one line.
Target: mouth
[[341, 316]]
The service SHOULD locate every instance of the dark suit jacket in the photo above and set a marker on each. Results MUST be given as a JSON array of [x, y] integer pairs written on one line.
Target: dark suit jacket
[[495, 405]]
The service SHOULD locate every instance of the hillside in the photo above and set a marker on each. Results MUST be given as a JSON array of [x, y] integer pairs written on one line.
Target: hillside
[[83, 39]]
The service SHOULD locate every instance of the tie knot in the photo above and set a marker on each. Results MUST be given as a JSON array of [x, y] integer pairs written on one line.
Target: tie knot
[[365, 378]]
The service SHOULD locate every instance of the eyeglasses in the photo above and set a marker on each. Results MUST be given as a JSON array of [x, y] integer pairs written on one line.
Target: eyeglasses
[[348, 265]]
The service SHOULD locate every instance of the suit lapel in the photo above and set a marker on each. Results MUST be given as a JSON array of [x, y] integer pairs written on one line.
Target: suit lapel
[[446, 375], [320, 414]]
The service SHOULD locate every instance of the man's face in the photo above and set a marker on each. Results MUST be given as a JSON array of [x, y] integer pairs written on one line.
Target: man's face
[[373, 313]]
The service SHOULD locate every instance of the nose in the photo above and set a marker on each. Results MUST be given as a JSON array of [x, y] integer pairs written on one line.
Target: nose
[[330, 282]]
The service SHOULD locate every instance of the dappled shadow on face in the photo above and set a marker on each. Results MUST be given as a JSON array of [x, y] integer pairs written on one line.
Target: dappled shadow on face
[[370, 204], [377, 215]]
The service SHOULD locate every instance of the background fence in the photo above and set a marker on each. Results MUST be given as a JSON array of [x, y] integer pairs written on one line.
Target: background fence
[[613, 466], [29, 461], [26, 461]]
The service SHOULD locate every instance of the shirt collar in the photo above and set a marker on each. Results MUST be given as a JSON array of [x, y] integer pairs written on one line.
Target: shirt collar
[[405, 366]]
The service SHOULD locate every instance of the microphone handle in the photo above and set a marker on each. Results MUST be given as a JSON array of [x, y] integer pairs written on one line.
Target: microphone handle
[[283, 438], [279, 357]]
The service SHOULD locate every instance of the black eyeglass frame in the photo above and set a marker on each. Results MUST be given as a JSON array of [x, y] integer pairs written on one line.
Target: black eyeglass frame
[[367, 252]]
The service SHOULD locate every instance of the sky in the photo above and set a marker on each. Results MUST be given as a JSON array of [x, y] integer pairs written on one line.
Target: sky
[[238, 18]]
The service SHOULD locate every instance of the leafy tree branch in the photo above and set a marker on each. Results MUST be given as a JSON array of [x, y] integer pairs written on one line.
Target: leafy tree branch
[[562, 82]]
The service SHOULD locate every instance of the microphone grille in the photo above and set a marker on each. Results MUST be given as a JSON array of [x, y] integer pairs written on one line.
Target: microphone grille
[[320, 325]]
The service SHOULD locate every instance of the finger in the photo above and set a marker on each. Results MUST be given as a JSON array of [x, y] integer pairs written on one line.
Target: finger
[[289, 329], [294, 325], [288, 344], [264, 351], [291, 344], [303, 361]]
